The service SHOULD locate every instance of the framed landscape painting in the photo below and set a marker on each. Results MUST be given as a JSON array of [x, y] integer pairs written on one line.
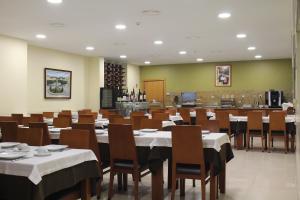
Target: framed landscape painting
[[58, 84], [223, 75]]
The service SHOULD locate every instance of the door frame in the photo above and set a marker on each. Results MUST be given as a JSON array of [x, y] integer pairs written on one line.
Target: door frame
[[164, 87]]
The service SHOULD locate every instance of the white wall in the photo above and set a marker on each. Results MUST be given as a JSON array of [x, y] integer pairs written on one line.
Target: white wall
[[133, 77], [40, 58], [13, 76]]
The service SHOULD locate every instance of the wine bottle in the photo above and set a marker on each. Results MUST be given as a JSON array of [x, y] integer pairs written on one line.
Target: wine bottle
[[144, 96], [140, 97]]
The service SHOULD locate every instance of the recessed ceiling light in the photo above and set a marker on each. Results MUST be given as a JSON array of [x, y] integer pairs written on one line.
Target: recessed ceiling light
[[182, 52], [90, 48], [158, 42], [40, 36], [199, 59], [120, 26], [224, 15], [55, 1], [123, 56], [241, 35], [251, 48], [147, 62], [258, 56]]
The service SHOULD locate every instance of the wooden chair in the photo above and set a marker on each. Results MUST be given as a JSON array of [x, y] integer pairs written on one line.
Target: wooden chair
[[137, 113], [44, 126], [6, 119], [86, 119], [123, 156], [119, 120], [201, 114], [31, 136], [224, 122], [77, 139], [151, 123], [154, 109], [36, 118], [160, 116], [187, 165], [25, 121], [112, 116], [62, 122], [48, 114], [18, 118], [9, 131], [185, 114], [171, 111], [66, 112], [255, 128], [95, 115], [212, 125], [277, 128], [136, 122]]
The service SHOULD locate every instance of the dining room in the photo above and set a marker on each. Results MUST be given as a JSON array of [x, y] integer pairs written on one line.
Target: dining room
[[149, 99]]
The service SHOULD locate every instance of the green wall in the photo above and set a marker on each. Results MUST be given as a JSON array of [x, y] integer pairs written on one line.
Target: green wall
[[246, 75]]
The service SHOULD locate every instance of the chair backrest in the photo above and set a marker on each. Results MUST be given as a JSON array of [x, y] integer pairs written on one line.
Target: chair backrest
[[112, 116], [171, 111], [151, 123], [277, 121], [62, 122], [6, 118], [121, 143], [201, 114], [185, 114], [86, 119], [36, 118], [48, 114], [44, 126], [93, 139], [156, 109], [66, 112], [234, 112], [187, 146], [223, 117], [119, 120], [136, 122], [255, 120], [160, 116], [9, 131], [77, 139], [95, 115], [137, 113], [25, 121], [18, 118], [31, 136], [211, 125]]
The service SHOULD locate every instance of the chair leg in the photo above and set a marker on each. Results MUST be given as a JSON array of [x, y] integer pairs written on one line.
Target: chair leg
[[136, 185], [252, 142], [99, 188], [194, 183], [125, 181], [262, 144], [286, 143], [111, 184], [174, 183], [269, 144], [203, 190], [247, 141]]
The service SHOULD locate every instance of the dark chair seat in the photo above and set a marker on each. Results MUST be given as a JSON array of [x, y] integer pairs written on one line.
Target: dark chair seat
[[189, 169], [128, 164]]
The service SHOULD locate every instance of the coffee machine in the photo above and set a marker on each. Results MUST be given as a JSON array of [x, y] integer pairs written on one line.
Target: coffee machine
[[274, 98]]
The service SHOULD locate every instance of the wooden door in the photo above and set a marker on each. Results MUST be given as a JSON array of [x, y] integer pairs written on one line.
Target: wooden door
[[155, 89]]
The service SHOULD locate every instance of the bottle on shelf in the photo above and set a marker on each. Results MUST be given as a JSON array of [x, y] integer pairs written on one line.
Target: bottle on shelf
[[140, 96], [144, 96]]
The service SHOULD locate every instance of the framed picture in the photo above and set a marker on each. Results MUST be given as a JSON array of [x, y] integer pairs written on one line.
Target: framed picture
[[58, 84], [223, 75]]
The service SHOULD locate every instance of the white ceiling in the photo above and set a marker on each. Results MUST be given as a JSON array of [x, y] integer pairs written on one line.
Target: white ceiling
[[190, 25]]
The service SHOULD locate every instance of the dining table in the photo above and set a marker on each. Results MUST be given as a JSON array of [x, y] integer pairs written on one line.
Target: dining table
[[154, 147], [30, 174]]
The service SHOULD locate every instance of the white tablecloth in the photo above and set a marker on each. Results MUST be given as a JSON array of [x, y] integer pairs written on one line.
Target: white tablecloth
[[99, 122], [208, 114], [266, 119], [36, 167], [163, 139]]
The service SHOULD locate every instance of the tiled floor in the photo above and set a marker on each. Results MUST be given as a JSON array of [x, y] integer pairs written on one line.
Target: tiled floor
[[252, 175]]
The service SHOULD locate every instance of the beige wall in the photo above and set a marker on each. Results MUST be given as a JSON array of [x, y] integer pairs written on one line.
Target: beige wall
[[40, 58], [297, 85], [133, 77], [13, 76]]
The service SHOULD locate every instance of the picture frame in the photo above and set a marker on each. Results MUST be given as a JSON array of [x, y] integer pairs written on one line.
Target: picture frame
[[223, 75], [57, 84]]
